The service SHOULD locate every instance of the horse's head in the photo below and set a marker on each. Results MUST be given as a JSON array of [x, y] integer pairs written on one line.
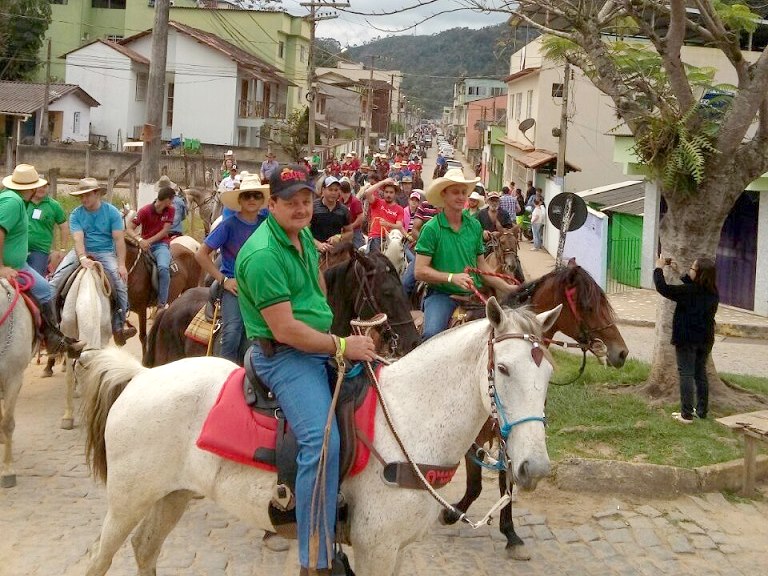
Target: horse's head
[[521, 367], [378, 289]]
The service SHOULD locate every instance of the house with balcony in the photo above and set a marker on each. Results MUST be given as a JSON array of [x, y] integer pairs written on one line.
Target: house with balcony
[[215, 92]]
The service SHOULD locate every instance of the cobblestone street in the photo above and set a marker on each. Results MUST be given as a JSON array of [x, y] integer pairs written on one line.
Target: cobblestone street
[[52, 517]]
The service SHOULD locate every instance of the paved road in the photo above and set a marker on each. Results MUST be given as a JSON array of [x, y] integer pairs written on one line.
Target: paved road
[[50, 519]]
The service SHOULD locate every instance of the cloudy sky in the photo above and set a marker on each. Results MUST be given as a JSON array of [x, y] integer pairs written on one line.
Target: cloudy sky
[[352, 30]]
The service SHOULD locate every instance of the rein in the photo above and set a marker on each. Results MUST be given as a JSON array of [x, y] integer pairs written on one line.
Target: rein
[[26, 284]]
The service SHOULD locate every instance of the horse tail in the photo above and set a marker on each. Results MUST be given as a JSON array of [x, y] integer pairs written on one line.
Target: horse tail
[[149, 348], [108, 373]]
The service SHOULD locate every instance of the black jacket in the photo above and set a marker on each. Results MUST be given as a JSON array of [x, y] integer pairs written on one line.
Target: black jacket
[[694, 319]]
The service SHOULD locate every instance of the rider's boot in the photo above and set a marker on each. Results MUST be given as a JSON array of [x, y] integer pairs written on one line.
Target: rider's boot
[[55, 341]]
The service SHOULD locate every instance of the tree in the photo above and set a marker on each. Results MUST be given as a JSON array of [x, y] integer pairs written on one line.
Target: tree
[[25, 23], [327, 52], [701, 143], [293, 134]]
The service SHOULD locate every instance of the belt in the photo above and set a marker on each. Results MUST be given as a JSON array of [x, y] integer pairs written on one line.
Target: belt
[[269, 346]]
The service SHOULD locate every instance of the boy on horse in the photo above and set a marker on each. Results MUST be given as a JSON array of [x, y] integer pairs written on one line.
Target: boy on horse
[[282, 298], [448, 244], [14, 245], [98, 231]]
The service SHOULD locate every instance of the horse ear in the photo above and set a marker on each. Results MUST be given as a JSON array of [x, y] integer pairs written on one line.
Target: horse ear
[[547, 319], [495, 313], [572, 262]]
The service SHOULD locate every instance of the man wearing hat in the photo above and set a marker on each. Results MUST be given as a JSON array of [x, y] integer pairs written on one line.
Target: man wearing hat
[[329, 216], [493, 218], [179, 203], [406, 186], [385, 213], [14, 242], [45, 216], [268, 166], [249, 205], [156, 220], [356, 213], [449, 243], [288, 318], [99, 234]]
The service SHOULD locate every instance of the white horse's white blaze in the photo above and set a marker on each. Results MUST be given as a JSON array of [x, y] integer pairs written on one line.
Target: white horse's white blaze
[[16, 336], [86, 316], [393, 248], [154, 465]]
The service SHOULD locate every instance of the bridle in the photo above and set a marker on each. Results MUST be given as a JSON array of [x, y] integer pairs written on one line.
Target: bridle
[[587, 337]]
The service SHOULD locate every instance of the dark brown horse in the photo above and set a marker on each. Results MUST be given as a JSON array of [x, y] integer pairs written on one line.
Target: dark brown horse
[[588, 318], [141, 295], [360, 287], [504, 258]]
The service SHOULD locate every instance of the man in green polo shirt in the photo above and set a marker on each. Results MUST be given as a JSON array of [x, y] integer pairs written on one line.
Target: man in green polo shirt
[[282, 300], [449, 243], [45, 215]]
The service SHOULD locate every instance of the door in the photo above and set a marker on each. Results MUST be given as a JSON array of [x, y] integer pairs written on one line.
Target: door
[[737, 253]]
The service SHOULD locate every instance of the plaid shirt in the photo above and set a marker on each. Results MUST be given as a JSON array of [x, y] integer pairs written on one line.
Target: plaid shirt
[[508, 202]]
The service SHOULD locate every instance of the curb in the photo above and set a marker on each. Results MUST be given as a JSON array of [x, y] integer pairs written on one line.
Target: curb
[[651, 480]]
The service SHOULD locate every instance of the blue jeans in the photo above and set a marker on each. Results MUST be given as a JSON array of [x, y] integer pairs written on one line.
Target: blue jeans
[[537, 230], [357, 238], [38, 261], [409, 277], [109, 261], [233, 341], [162, 253], [374, 245], [300, 383], [41, 291], [438, 308], [692, 369]]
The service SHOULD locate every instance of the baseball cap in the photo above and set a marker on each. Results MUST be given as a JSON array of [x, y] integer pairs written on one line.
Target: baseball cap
[[330, 181], [287, 180], [415, 195]]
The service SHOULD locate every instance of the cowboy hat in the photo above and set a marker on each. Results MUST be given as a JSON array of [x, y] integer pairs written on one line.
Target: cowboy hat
[[492, 194], [479, 198], [229, 198], [87, 185], [24, 177], [452, 176]]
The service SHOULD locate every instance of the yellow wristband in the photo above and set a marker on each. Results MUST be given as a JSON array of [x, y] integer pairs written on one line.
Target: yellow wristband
[[450, 277], [342, 346]]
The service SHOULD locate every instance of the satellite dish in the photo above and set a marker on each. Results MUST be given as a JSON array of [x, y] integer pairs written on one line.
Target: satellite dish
[[556, 211], [526, 124]]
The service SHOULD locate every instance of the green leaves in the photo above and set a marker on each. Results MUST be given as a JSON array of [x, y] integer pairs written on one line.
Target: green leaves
[[737, 17]]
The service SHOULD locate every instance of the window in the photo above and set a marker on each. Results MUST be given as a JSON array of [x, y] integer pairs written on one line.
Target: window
[[58, 1], [303, 53], [114, 38], [557, 90], [119, 4], [472, 91], [169, 106], [518, 104], [142, 80], [529, 104], [76, 123], [497, 91], [281, 49]]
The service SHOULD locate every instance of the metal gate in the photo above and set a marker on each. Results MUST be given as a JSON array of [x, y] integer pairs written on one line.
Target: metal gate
[[625, 245]]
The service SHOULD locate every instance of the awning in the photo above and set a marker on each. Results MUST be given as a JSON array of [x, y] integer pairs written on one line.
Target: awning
[[519, 145], [540, 158]]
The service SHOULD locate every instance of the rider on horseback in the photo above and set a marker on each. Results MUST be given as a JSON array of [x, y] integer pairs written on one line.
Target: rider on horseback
[[14, 240], [98, 231], [287, 316], [448, 244]]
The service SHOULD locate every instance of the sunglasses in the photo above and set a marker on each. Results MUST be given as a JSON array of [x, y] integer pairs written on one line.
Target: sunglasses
[[251, 195]]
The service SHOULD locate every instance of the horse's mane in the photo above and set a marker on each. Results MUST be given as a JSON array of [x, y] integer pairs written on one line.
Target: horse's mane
[[588, 293]]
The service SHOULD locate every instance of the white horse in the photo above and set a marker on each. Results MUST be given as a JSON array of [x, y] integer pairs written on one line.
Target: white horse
[[17, 333], [142, 425], [393, 247], [86, 316]]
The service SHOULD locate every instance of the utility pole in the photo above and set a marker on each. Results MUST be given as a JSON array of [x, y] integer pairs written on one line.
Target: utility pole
[[315, 17], [369, 121], [560, 171], [43, 136], [150, 155], [389, 116]]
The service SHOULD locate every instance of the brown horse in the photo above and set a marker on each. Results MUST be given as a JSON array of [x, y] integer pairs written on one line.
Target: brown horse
[[141, 295], [207, 203], [360, 287], [504, 258], [588, 318]]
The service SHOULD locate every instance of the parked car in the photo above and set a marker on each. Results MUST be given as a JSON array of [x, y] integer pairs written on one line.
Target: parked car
[[454, 164], [383, 143]]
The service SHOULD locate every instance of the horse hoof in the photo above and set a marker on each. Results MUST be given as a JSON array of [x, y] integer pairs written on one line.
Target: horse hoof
[[67, 423], [448, 518], [275, 542], [518, 552], [8, 481], [47, 373]]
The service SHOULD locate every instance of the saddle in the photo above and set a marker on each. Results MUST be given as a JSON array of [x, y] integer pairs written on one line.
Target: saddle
[[70, 273], [206, 322]]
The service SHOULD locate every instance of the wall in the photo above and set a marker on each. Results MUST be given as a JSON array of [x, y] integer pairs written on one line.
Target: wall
[[761, 280], [68, 106]]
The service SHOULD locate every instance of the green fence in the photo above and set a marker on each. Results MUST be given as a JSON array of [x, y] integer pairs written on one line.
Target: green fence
[[624, 252]]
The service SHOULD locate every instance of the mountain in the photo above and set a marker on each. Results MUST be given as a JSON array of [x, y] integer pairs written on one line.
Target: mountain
[[432, 64]]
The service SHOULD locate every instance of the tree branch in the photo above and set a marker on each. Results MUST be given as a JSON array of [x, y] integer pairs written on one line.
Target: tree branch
[[670, 57], [716, 32]]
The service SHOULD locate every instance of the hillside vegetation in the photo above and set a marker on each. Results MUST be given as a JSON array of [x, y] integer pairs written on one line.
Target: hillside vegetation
[[432, 64]]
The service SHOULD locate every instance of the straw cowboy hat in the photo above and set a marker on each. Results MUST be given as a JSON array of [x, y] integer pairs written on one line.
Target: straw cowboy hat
[[87, 185], [251, 183], [452, 176], [24, 177], [480, 199]]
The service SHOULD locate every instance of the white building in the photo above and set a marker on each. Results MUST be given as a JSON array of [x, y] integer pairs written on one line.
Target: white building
[[215, 92]]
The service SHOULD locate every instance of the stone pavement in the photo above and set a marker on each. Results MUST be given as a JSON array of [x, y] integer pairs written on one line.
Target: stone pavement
[[49, 521]]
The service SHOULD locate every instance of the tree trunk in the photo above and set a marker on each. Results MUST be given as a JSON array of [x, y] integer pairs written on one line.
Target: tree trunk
[[689, 230]]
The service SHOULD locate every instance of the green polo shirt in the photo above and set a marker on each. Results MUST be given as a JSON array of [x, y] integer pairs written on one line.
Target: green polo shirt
[[270, 270], [452, 251], [13, 219], [43, 217]]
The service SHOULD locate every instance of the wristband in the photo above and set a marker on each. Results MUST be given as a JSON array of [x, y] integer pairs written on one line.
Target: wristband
[[342, 346], [83, 257], [450, 278]]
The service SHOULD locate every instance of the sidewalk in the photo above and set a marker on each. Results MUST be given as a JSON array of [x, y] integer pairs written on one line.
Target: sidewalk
[[637, 307]]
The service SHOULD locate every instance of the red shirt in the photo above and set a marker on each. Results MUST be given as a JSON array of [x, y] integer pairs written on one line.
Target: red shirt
[[388, 212], [152, 222], [355, 208]]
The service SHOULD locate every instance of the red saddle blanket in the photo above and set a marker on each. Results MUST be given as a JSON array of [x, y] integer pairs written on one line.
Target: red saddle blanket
[[234, 431]]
